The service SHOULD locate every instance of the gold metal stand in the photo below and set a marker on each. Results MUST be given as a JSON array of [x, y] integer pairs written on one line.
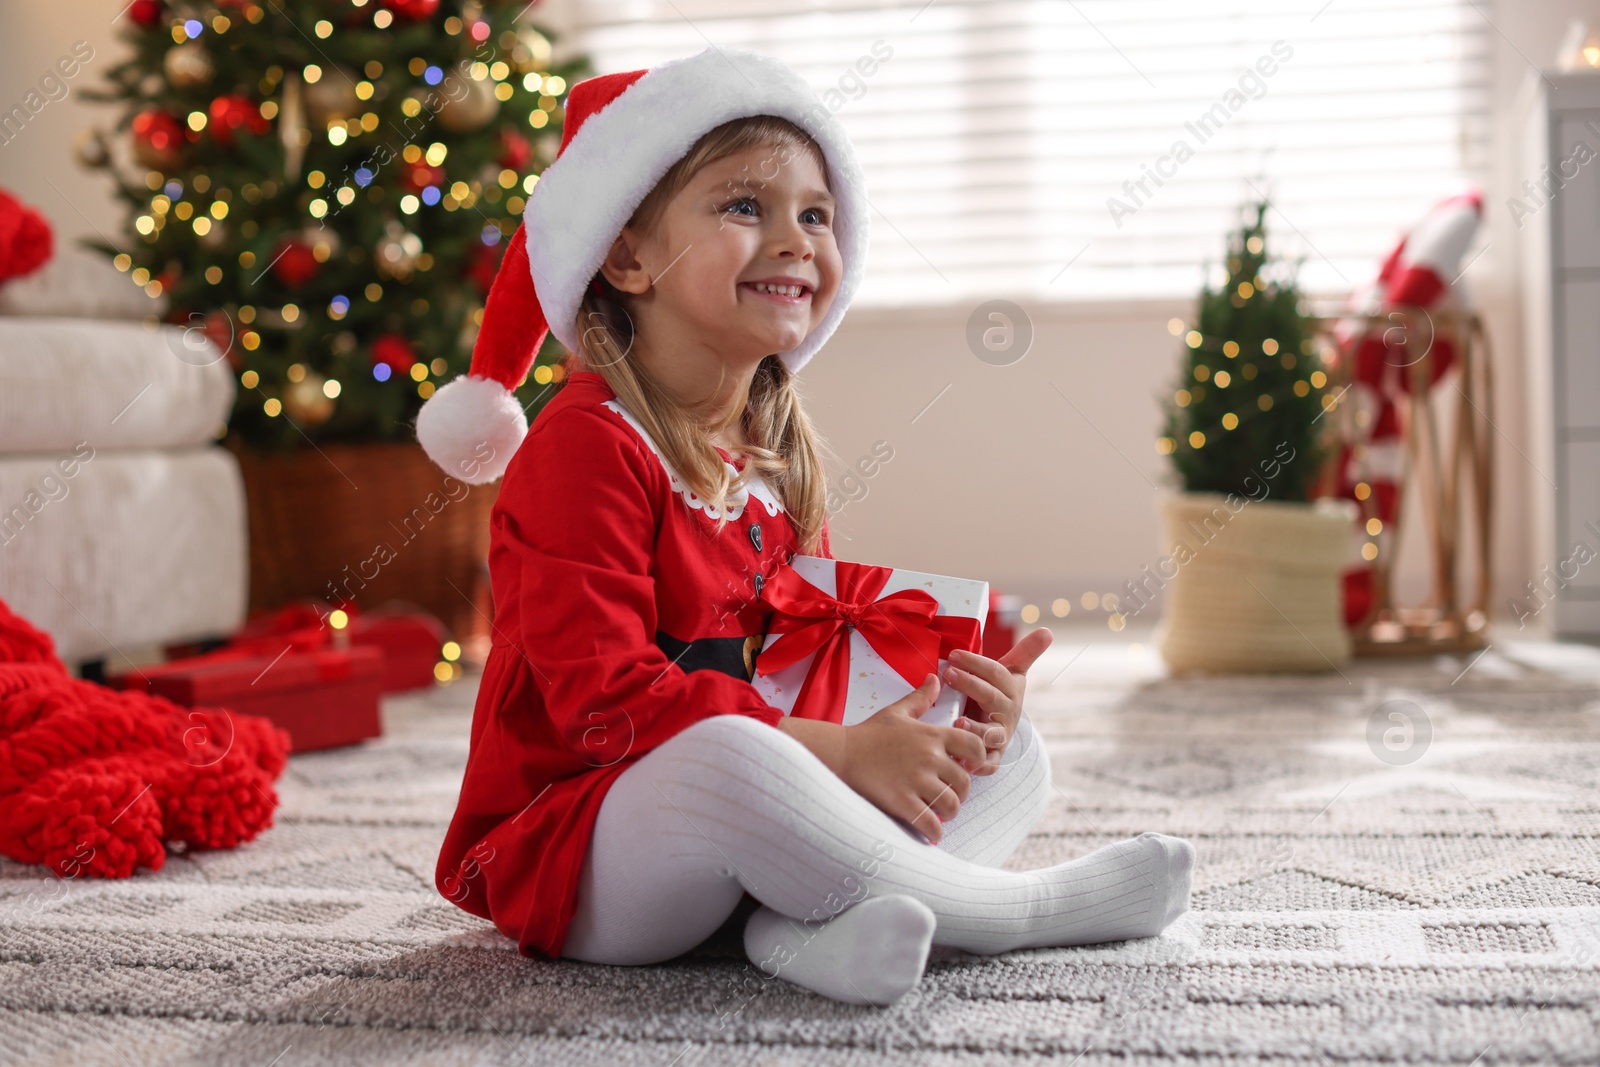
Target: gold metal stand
[[1454, 478]]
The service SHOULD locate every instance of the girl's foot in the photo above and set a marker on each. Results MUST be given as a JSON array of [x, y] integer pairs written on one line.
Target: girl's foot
[[1131, 888], [873, 952]]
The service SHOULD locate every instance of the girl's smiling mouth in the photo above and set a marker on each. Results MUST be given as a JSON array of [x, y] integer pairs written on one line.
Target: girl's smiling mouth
[[780, 290]]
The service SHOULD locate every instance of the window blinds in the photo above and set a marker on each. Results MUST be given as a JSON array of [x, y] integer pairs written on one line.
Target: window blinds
[[1062, 150]]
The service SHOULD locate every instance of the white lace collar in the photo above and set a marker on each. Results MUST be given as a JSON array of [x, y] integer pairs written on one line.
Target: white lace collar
[[737, 497]]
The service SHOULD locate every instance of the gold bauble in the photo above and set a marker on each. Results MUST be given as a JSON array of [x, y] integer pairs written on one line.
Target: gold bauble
[[305, 402], [216, 237], [187, 65], [470, 110], [322, 240], [533, 49], [397, 252], [90, 148], [330, 97]]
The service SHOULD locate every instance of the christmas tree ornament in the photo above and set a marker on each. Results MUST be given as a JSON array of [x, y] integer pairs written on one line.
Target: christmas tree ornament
[[515, 151], [483, 263], [331, 98], [414, 10], [219, 328], [145, 13], [294, 263], [395, 352], [158, 139], [26, 239], [217, 236], [306, 401], [293, 133], [622, 132], [231, 113], [188, 65], [322, 240], [532, 51], [473, 109], [397, 252], [415, 177], [90, 148]]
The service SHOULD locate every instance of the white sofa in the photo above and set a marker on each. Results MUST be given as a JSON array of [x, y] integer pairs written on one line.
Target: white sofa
[[122, 522]]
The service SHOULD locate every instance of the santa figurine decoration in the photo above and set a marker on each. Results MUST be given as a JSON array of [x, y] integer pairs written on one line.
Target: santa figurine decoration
[[1399, 319]]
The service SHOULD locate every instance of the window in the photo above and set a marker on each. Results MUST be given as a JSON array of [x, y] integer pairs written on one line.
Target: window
[[1097, 149]]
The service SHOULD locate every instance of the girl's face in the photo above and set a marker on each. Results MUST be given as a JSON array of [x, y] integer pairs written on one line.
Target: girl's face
[[761, 215]]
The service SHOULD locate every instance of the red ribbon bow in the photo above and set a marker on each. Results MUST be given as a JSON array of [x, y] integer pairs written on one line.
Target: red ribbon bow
[[903, 628]]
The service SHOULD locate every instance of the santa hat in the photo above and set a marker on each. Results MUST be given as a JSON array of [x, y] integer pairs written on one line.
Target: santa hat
[[622, 133]]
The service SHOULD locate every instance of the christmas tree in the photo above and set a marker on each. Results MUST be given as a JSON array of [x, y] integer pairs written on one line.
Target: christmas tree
[[1245, 412], [328, 189]]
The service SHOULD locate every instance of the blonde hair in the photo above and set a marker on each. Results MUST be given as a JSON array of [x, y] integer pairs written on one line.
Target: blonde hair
[[782, 445]]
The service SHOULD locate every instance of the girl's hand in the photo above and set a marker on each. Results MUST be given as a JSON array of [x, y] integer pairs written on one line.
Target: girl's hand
[[994, 690], [910, 769]]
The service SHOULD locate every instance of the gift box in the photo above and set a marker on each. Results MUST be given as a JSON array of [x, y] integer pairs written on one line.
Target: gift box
[[846, 639], [323, 697], [410, 638]]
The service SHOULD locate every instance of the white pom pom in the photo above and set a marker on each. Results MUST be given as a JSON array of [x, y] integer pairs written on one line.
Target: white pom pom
[[471, 427]]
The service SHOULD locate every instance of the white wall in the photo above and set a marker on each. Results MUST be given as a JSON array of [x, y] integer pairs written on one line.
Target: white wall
[[1002, 476]]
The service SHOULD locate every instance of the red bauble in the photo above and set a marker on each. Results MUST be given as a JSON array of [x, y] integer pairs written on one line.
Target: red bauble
[[484, 264], [229, 114], [158, 138], [394, 350], [413, 9], [26, 240], [415, 177], [145, 12], [218, 327], [293, 262], [515, 151]]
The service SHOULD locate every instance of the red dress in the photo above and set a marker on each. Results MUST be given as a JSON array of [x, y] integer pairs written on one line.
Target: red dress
[[621, 618]]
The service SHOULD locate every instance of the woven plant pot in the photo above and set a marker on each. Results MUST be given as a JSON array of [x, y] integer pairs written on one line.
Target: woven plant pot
[[373, 523], [1258, 589]]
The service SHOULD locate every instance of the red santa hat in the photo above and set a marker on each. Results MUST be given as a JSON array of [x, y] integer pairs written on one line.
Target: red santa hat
[[622, 133]]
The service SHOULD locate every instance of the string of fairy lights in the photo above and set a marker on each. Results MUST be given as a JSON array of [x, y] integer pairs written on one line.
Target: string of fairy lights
[[1247, 371]]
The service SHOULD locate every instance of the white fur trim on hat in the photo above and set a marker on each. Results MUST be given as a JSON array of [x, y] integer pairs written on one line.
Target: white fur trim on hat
[[584, 198], [471, 428]]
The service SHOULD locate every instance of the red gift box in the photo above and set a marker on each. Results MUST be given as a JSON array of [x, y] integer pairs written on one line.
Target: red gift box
[[323, 697], [410, 642], [410, 639]]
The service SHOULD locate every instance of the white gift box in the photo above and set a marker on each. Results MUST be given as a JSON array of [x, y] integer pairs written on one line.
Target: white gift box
[[872, 683]]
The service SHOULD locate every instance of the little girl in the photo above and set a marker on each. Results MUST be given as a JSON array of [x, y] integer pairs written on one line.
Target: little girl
[[696, 240]]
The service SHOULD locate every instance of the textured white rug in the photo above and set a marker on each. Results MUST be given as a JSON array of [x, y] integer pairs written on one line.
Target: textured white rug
[[1358, 899]]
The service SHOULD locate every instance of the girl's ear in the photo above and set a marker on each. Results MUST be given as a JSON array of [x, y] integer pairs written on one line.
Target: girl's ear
[[622, 268]]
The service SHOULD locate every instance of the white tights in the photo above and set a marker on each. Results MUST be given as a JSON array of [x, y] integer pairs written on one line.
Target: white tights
[[732, 805]]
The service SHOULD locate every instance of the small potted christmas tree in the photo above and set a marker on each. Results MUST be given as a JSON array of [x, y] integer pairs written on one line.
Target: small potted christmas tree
[[1252, 579]]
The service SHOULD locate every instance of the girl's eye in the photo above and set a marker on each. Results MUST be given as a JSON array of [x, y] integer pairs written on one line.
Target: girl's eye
[[741, 200], [822, 216]]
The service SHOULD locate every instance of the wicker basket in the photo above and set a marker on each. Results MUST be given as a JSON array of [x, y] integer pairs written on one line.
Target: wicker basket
[[375, 523], [1258, 589]]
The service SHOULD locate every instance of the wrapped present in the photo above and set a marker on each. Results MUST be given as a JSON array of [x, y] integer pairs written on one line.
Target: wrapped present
[[410, 638], [410, 641], [846, 639], [324, 697]]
